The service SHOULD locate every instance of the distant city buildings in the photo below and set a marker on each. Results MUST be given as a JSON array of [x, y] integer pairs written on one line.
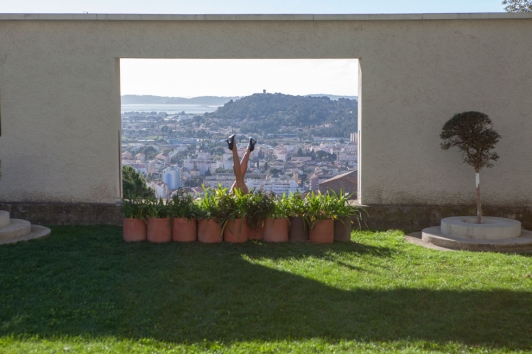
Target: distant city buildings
[[281, 163]]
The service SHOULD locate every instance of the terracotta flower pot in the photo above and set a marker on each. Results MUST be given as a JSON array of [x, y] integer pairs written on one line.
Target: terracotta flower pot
[[134, 230], [298, 230], [209, 231], [159, 230], [256, 234], [323, 232], [184, 230], [276, 230], [236, 231], [342, 229]]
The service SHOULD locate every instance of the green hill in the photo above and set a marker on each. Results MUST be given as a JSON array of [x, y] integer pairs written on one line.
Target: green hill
[[279, 113]]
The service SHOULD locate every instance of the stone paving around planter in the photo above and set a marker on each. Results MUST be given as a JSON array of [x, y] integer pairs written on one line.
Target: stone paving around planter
[[16, 230], [415, 238], [432, 238]]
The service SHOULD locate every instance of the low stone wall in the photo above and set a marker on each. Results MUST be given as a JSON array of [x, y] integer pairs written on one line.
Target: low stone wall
[[65, 213], [415, 218], [383, 217]]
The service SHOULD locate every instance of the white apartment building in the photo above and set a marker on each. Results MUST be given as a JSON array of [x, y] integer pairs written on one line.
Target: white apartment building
[[291, 149], [300, 158], [163, 158], [343, 156], [172, 177], [228, 165], [201, 165], [281, 156], [161, 189], [275, 185], [225, 180], [140, 167]]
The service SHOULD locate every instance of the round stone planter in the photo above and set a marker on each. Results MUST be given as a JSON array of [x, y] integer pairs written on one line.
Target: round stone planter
[[491, 228], [493, 235]]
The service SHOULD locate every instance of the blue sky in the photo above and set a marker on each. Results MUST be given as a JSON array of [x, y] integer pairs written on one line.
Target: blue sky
[[190, 78]]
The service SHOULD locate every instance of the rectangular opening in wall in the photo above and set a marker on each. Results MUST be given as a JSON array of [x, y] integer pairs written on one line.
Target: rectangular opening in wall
[[303, 113]]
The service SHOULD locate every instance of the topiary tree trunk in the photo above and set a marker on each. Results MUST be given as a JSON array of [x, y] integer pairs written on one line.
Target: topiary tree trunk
[[472, 133]]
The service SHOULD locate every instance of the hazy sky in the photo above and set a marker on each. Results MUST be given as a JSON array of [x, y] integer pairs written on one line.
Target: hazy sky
[[189, 78], [221, 77]]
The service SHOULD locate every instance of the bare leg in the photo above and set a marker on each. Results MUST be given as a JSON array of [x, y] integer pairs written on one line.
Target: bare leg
[[244, 162], [237, 169], [236, 164]]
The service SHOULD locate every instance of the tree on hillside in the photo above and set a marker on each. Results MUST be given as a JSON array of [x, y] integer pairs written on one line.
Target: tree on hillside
[[149, 151], [472, 133], [517, 5], [325, 156], [134, 185]]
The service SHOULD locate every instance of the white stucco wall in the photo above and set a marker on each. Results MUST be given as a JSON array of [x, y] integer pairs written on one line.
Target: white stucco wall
[[60, 95]]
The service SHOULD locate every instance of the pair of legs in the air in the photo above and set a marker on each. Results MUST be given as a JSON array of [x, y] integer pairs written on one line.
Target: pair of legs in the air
[[240, 167]]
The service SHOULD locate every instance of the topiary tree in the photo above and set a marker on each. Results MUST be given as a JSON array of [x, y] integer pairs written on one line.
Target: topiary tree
[[472, 133]]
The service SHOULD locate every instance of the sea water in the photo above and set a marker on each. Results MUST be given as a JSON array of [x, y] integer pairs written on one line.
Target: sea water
[[169, 108]]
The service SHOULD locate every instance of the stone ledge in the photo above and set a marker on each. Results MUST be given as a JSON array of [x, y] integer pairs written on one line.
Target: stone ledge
[[418, 217], [65, 213], [267, 17]]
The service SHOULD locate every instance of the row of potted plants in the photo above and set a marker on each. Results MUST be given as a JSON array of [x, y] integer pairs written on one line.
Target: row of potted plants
[[220, 216]]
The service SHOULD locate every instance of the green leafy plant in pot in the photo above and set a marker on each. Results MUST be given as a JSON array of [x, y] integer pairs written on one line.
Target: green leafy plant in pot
[[233, 207], [277, 225], [158, 219], [184, 213], [344, 215], [296, 207], [258, 205], [134, 223], [210, 216], [320, 213]]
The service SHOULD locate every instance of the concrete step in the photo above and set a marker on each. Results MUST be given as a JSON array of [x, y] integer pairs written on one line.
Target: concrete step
[[16, 228], [522, 244], [36, 232]]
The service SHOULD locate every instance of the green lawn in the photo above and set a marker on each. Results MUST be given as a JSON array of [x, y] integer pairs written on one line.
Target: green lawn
[[84, 290]]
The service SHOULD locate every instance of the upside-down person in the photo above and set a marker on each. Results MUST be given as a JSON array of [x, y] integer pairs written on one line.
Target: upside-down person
[[240, 167]]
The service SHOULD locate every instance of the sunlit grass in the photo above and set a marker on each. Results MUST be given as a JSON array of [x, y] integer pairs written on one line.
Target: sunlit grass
[[84, 290]]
